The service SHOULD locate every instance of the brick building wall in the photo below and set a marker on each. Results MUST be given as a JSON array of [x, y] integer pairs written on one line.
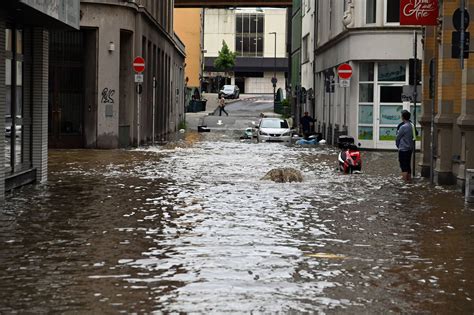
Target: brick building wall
[[454, 104]]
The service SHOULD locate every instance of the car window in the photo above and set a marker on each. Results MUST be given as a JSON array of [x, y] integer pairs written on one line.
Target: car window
[[274, 123], [228, 88]]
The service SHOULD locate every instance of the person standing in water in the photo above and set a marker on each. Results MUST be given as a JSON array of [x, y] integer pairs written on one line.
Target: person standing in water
[[406, 136]]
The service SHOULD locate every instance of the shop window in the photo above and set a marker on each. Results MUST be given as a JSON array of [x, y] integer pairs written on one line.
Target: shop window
[[366, 133], [392, 71], [390, 94], [366, 92], [366, 72], [387, 133], [390, 114], [366, 101], [366, 114]]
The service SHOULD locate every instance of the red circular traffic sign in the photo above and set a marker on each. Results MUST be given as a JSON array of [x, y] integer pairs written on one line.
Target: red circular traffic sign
[[344, 71], [139, 64]]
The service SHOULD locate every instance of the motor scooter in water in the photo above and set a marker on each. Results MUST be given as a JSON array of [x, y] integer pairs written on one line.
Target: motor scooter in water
[[349, 158]]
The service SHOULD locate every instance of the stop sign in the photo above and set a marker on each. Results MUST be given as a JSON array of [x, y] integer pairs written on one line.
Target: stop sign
[[139, 64], [344, 71]]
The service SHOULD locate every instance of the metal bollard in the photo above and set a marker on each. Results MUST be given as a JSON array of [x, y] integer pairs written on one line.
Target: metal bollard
[[470, 185]]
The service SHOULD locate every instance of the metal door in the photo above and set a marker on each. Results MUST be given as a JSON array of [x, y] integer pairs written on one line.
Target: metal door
[[66, 90]]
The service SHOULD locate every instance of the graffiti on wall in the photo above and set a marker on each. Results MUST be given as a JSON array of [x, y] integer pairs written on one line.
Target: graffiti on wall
[[107, 96]]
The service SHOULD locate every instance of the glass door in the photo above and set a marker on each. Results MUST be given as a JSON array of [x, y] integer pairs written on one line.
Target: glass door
[[388, 116]]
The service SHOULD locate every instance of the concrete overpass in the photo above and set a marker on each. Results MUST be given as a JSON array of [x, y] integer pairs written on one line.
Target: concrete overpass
[[231, 3]]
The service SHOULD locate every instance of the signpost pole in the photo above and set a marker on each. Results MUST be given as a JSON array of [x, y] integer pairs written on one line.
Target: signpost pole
[[432, 140], [138, 114], [463, 33], [329, 112], [345, 107], [139, 67], [344, 72], [153, 112], [415, 86]]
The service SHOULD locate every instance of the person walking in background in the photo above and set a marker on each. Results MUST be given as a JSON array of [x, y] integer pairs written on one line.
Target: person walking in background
[[406, 136], [222, 106], [306, 122]]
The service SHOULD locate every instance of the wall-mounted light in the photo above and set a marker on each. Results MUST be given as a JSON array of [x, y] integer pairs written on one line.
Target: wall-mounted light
[[111, 47]]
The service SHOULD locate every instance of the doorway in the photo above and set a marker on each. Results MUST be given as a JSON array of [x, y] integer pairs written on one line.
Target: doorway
[[66, 89]]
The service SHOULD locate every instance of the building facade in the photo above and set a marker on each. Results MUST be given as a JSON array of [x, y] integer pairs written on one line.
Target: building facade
[[307, 57], [188, 24], [258, 36], [24, 63], [94, 101], [296, 26], [367, 35], [453, 102]]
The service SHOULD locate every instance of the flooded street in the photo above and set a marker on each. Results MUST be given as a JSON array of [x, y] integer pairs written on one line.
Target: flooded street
[[190, 227]]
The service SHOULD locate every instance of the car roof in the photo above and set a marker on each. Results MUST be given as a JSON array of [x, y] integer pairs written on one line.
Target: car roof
[[270, 115], [272, 118]]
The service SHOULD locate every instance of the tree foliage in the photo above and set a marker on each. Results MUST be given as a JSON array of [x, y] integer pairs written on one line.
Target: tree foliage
[[226, 59]]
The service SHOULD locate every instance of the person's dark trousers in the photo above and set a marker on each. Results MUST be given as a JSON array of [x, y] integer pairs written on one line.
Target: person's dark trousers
[[221, 109], [404, 157], [306, 134]]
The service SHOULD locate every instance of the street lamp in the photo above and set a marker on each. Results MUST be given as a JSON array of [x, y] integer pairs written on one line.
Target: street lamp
[[201, 71], [274, 79]]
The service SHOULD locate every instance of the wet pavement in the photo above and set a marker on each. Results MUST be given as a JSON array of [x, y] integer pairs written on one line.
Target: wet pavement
[[190, 227]]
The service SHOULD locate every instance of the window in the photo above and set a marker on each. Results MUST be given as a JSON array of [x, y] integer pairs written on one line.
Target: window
[[392, 14], [249, 37], [14, 145], [371, 11], [366, 101], [366, 71], [390, 94], [392, 71], [305, 49]]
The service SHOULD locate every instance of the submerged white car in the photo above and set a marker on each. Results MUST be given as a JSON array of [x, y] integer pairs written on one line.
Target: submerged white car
[[273, 130]]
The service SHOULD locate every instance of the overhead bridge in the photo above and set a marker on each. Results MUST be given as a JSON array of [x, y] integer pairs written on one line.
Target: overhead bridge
[[231, 3]]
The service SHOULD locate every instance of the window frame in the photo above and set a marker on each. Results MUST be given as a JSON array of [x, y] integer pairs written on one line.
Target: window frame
[[305, 50], [385, 12], [375, 12], [360, 103], [249, 41], [17, 160]]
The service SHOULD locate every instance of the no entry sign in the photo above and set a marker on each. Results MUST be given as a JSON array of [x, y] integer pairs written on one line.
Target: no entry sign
[[344, 71], [139, 64]]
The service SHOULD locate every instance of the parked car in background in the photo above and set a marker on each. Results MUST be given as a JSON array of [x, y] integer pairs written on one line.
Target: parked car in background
[[230, 91], [273, 130]]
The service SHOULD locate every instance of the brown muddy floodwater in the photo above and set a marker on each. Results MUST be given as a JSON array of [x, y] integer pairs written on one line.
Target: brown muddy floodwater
[[191, 228]]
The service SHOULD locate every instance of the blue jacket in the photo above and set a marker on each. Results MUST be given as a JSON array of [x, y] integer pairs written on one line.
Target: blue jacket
[[406, 137]]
